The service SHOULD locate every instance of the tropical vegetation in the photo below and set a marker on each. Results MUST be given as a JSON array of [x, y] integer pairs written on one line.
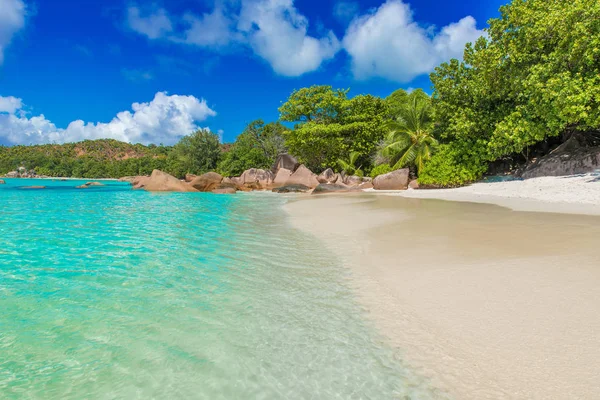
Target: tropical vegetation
[[525, 87]]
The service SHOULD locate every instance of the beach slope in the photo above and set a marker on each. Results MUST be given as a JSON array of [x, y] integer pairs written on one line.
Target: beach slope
[[484, 301]]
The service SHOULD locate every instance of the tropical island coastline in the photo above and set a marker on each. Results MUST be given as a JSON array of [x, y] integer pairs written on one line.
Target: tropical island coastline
[[464, 221]]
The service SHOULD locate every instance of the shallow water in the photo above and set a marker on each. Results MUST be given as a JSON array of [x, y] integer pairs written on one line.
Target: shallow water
[[112, 293]]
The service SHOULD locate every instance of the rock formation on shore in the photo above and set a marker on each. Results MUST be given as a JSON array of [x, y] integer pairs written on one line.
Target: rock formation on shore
[[206, 182], [286, 176], [395, 180], [162, 182], [580, 154]]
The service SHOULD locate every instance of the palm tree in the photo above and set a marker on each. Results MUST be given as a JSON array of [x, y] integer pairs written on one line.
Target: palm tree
[[349, 166], [409, 140]]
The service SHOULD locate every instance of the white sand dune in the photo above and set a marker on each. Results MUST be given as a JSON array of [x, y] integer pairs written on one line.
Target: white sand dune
[[486, 302]]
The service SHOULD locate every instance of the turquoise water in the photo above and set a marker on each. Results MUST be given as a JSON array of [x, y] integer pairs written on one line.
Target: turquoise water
[[109, 293]]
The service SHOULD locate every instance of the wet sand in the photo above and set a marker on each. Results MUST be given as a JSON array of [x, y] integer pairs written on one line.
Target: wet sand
[[486, 302]]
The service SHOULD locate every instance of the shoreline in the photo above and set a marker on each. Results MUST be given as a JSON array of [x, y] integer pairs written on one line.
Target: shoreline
[[467, 293], [579, 194]]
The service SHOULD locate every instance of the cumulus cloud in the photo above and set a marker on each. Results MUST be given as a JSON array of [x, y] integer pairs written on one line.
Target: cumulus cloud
[[10, 104], [12, 19], [165, 119], [277, 32], [274, 29], [388, 43]]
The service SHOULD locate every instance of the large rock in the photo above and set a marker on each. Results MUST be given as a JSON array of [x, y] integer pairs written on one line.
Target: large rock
[[327, 176], [282, 177], [366, 185], [285, 161], [140, 181], [395, 180], [129, 179], [206, 182], [292, 189], [580, 154], [353, 180], [225, 190], [12, 174], [303, 176], [254, 178], [190, 177], [162, 182], [325, 188]]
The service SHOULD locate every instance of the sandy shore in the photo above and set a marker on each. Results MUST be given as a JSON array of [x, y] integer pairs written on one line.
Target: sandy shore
[[567, 195], [486, 302]]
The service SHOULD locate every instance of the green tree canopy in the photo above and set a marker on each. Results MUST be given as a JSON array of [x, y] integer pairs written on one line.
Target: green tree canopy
[[196, 153], [329, 126], [257, 147], [535, 76]]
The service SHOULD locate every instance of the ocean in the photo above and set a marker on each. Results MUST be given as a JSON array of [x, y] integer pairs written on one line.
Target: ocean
[[111, 293]]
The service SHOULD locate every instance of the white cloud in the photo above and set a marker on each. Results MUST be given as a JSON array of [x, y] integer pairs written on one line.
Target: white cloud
[[12, 19], [213, 29], [277, 32], [153, 25], [10, 104], [163, 120], [273, 29], [345, 11], [388, 43]]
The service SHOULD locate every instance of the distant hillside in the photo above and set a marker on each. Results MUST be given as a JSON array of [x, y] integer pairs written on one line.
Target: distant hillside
[[88, 159]]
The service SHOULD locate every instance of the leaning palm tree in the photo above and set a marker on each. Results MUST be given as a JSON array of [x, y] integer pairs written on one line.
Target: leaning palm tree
[[349, 166], [409, 140]]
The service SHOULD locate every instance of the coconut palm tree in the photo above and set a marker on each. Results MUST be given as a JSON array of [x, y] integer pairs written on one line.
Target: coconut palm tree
[[409, 140], [349, 166]]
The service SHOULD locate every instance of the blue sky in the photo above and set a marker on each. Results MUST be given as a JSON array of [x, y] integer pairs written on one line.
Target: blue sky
[[71, 70]]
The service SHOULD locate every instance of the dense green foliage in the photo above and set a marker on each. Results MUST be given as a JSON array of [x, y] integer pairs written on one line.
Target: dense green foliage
[[108, 158], [536, 76], [409, 141], [330, 126], [257, 147], [196, 153], [380, 170], [87, 159]]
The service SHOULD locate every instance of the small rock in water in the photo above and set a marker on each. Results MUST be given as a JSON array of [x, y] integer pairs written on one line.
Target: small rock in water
[[2, 182], [34, 187], [225, 190]]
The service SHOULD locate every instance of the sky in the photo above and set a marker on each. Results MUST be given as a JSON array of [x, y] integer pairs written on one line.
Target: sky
[[153, 71]]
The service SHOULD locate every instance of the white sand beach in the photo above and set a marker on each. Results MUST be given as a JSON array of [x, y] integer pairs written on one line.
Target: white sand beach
[[562, 194], [486, 302]]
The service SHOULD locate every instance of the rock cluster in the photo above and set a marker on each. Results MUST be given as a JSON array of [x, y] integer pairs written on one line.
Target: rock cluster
[[286, 176]]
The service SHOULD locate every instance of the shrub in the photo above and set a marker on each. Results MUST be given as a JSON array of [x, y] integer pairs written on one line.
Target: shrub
[[451, 166], [380, 170]]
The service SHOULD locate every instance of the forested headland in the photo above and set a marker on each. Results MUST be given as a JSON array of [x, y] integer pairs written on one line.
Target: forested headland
[[526, 87]]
